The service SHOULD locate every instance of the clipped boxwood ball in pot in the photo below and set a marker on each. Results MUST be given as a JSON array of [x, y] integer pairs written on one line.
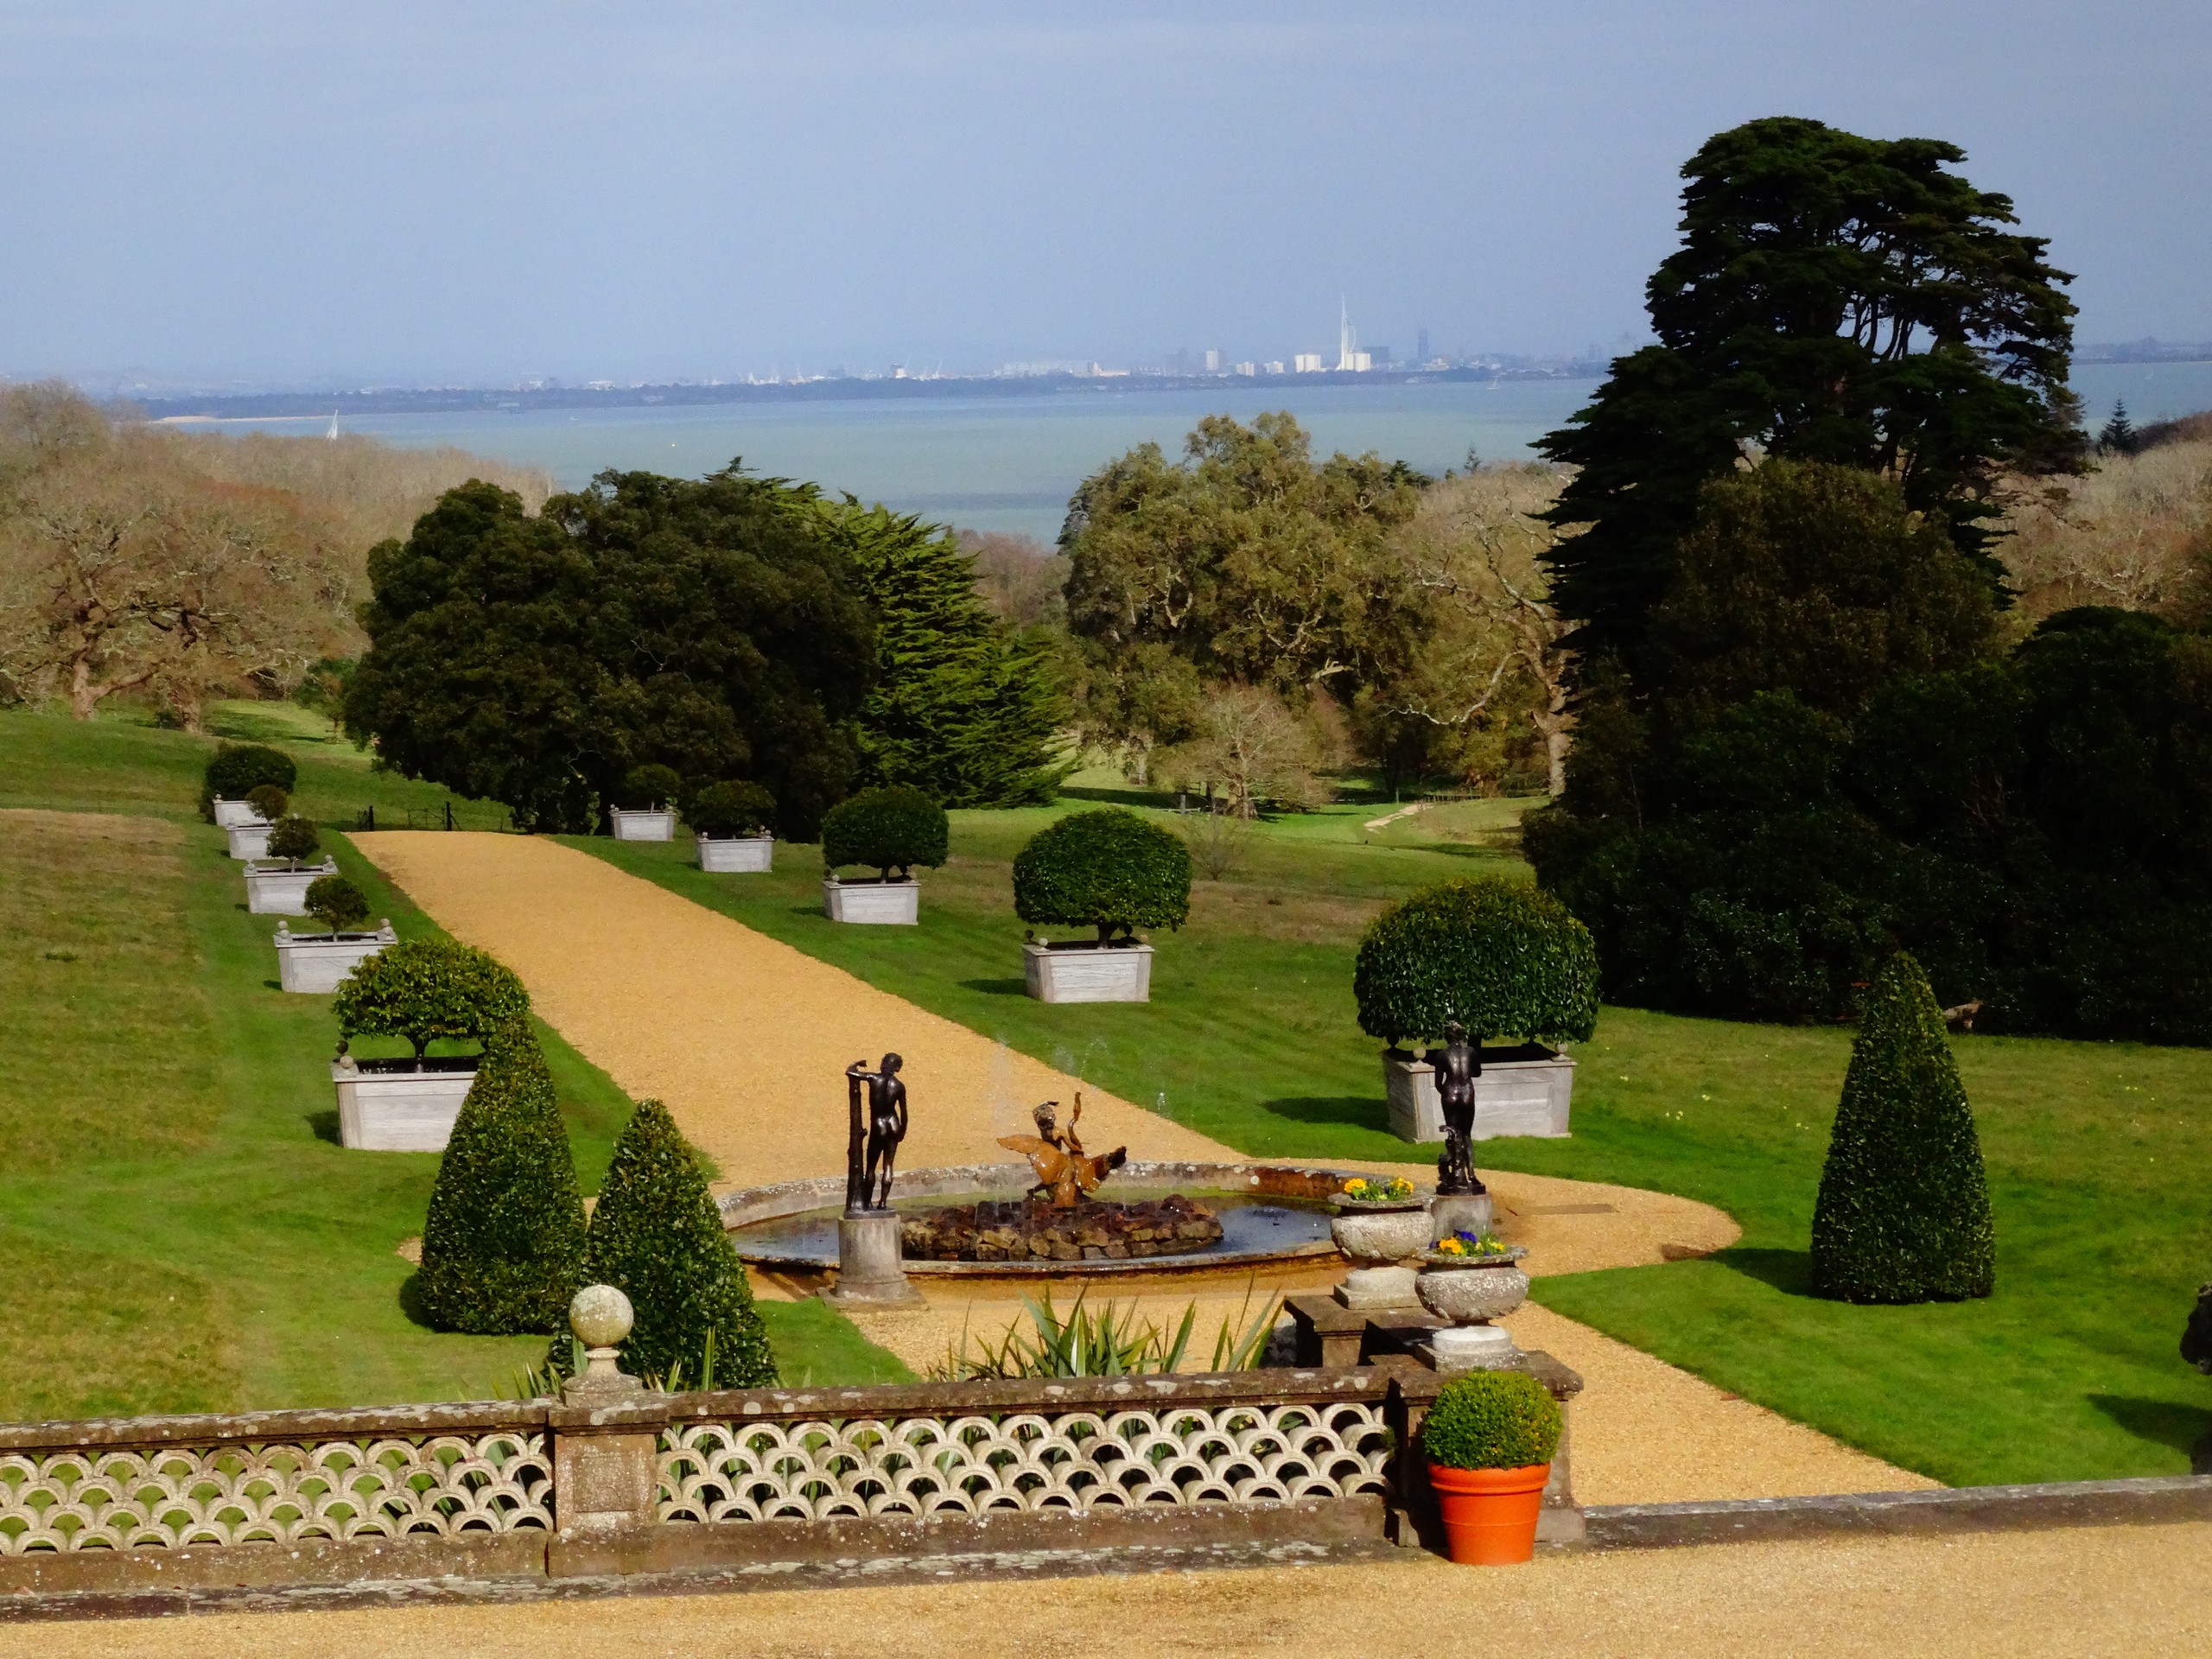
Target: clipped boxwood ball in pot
[[235, 770], [1108, 869], [293, 838], [891, 828], [1491, 1420], [1503, 958], [724, 812], [649, 786]]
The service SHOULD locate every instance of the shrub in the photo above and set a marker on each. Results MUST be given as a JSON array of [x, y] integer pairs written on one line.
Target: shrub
[[421, 989], [737, 807], [236, 769], [656, 1236], [503, 1246], [1501, 957], [892, 829], [268, 801], [1108, 869], [1904, 1208], [1491, 1420], [650, 786], [295, 838], [337, 903]]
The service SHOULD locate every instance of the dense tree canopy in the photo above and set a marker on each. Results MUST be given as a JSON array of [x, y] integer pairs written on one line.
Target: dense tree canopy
[[1837, 299]]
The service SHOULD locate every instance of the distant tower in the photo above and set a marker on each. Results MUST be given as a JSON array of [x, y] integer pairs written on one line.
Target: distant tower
[[1347, 339]]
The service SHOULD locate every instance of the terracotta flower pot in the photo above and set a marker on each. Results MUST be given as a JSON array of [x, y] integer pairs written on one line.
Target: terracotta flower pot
[[1489, 1515]]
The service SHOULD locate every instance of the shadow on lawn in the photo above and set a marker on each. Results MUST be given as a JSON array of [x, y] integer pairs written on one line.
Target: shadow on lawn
[[1360, 1110], [997, 986], [325, 1125], [2163, 1422], [1790, 1272]]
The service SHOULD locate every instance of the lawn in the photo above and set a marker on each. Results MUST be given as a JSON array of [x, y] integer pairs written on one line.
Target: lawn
[[2097, 1152], [183, 1232]]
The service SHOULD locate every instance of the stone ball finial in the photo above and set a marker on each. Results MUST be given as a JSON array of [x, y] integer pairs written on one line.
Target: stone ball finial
[[601, 1316]]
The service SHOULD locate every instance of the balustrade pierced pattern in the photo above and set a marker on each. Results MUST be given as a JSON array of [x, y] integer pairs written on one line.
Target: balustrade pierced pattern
[[1076, 1460], [95, 1498]]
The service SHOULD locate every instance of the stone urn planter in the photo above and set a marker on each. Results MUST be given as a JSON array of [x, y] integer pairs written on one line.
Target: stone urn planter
[[643, 824], [396, 1106], [1380, 1239], [875, 902], [237, 815], [280, 888], [1469, 1292], [321, 962], [1081, 971], [736, 855], [250, 840], [1524, 1090]]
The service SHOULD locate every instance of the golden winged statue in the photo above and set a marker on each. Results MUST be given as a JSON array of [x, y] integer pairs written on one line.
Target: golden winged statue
[[1064, 1170]]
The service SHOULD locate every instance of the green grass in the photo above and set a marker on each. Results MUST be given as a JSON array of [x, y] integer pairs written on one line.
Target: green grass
[[2097, 1152], [182, 1231]]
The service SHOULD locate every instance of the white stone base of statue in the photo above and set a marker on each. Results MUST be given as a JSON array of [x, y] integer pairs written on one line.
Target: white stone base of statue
[[871, 1267], [1455, 1212]]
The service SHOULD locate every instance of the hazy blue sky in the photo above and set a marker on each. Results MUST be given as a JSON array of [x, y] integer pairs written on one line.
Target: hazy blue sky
[[340, 193]]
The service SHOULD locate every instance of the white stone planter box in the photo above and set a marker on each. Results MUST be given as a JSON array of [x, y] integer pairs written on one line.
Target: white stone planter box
[[888, 904], [280, 889], [250, 840], [389, 1106], [737, 855], [1087, 973], [321, 962], [237, 815], [1522, 1096], [652, 823]]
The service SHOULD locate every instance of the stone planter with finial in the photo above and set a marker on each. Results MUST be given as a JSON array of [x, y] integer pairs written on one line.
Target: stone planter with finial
[[321, 962], [1469, 1292], [1381, 1240]]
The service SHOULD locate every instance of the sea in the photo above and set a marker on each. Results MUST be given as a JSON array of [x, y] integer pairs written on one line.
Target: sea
[[1010, 463]]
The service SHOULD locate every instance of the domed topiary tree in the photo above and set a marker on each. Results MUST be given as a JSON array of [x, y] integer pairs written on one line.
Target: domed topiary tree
[[293, 838], [649, 786], [336, 903], [1503, 958], [422, 989], [1108, 869], [503, 1246], [891, 828], [1904, 1208], [726, 811], [235, 770], [268, 801], [656, 1236]]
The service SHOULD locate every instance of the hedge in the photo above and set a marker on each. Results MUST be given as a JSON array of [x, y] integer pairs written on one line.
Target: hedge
[[737, 807], [235, 768], [503, 1246], [891, 828], [1502, 957], [1491, 1420], [1108, 869], [656, 1236], [1904, 1208], [422, 989]]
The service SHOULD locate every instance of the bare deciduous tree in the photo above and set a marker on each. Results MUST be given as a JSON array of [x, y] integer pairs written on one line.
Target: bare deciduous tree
[[2123, 535]]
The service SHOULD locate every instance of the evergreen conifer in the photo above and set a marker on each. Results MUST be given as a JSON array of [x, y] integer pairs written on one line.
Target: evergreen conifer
[[656, 1236], [503, 1246], [1904, 1208]]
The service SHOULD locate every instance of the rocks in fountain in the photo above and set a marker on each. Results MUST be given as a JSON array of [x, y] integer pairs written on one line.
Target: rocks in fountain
[[1034, 1230]]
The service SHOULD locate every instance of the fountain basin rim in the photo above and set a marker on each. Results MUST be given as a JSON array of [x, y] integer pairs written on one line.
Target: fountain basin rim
[[969, 1181]]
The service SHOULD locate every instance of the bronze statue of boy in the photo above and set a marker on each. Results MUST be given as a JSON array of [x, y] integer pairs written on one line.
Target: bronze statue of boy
[[886, 1129], [1456, 1065]]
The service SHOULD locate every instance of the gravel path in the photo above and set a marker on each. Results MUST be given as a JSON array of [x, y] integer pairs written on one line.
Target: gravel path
[[2112, 1591], [746, 1039]]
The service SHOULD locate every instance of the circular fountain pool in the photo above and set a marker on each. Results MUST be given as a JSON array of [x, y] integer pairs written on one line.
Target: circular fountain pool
[[1268, 1213]]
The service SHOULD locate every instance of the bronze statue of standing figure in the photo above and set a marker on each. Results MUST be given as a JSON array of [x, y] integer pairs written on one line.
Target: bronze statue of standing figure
[[1456, 1066], [877, 1149]]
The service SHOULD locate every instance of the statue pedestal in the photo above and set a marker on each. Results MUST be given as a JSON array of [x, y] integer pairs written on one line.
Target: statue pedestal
[[1461, 1212], [871, 1271]]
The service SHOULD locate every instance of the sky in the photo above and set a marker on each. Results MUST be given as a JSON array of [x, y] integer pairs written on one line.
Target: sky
[[334, 194]]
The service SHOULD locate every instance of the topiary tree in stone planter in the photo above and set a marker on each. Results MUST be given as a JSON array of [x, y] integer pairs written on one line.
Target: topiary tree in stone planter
[[894, 829], [656, 1236], [236, 769], [337, 903], [503, 1245], [1503, 959], [269, 802], [1904, 1208], [1109, 870], [730, 822], [293, 839], [646, 807], [277, 884], [423, 990]]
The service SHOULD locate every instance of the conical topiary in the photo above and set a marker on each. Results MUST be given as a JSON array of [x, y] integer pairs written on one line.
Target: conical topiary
[[656, 1236], [1904, 1211], [503, 1248]]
